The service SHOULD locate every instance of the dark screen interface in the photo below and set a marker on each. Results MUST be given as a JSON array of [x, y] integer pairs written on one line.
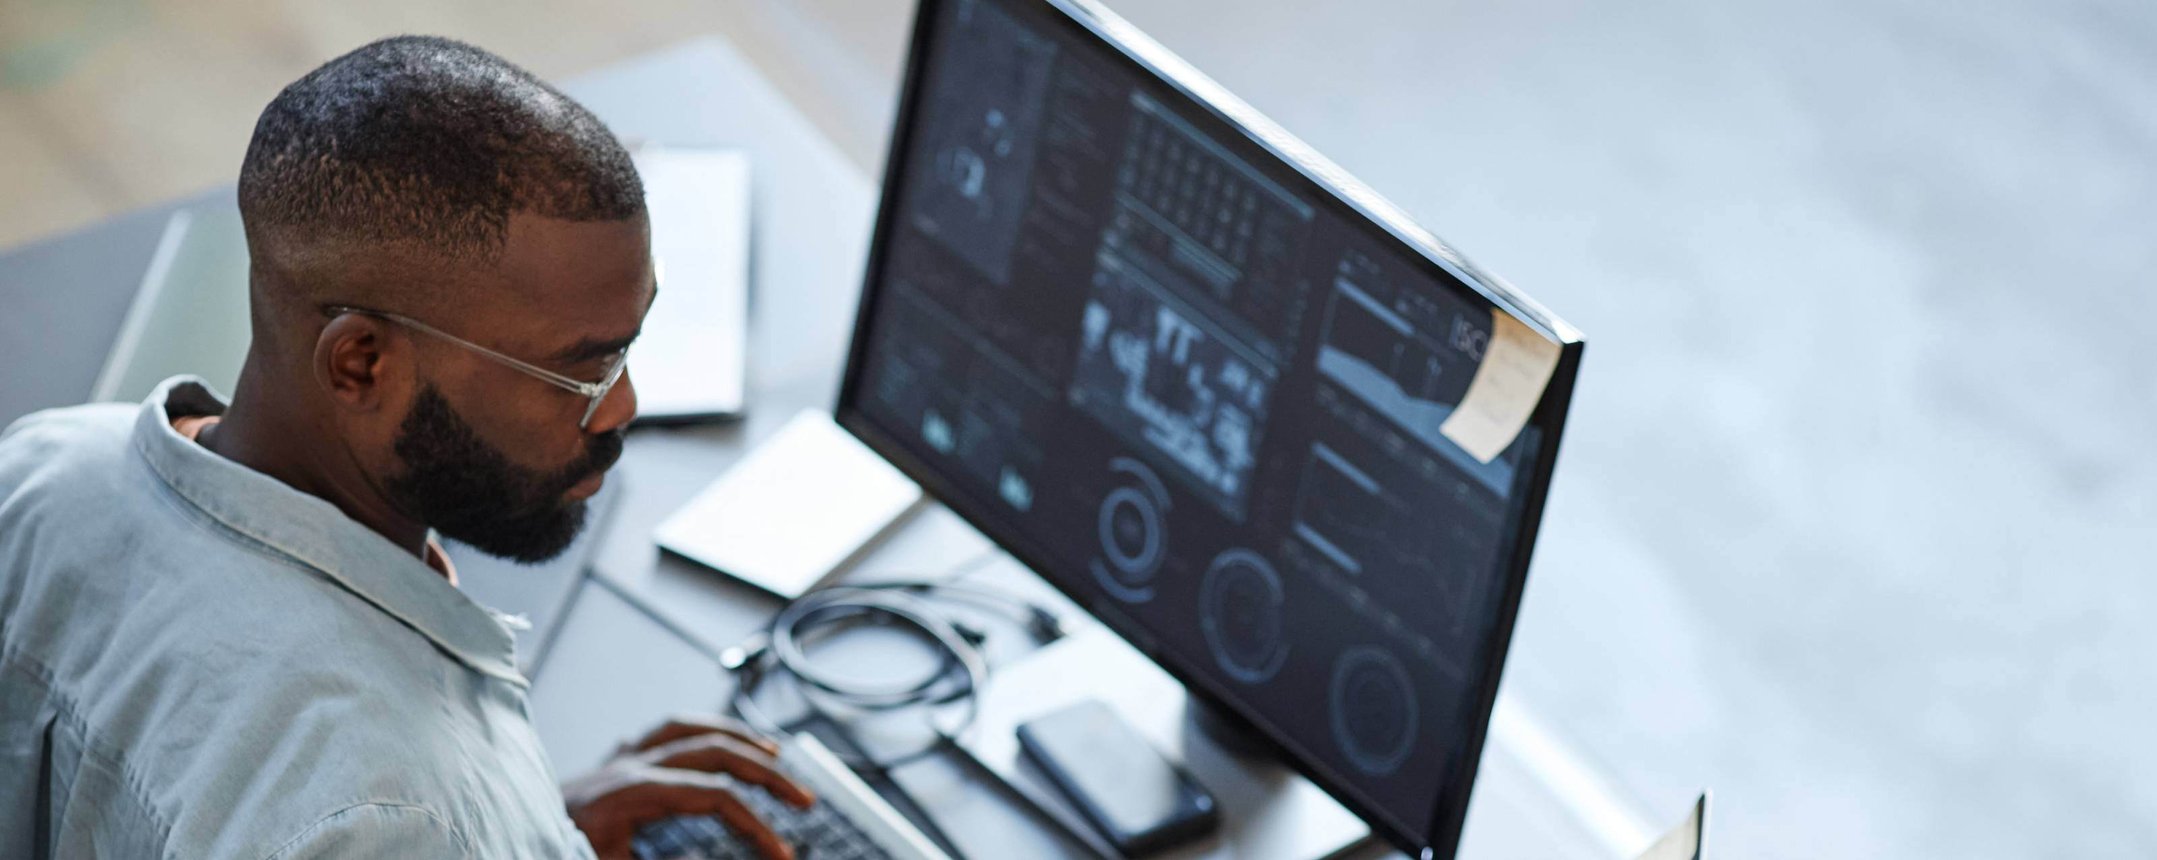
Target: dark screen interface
[[1205, 402]]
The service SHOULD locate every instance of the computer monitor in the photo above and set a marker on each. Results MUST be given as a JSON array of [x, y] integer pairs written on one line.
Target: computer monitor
[[1225, 397]]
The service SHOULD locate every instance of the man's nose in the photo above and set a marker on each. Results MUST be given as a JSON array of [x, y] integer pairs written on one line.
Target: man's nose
[[618, 409]]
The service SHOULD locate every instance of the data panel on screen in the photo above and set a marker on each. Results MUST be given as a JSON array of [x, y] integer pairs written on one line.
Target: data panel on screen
[[1213, 402]]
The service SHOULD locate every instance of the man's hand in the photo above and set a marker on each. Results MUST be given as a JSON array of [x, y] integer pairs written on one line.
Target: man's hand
[[671, 772]]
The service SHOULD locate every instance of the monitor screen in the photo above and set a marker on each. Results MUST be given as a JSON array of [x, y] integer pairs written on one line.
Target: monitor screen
[[1202, 393]]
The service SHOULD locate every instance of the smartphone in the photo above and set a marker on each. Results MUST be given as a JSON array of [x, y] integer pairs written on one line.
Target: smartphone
[[1135, 798]]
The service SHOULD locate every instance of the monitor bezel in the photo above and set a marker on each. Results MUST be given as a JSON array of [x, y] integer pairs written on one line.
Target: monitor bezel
[[1328, 185]]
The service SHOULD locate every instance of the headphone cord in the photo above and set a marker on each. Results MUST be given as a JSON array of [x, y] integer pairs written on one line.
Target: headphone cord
[[961, 673]]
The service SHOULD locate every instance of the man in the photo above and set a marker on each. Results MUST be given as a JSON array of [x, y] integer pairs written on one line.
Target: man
[[227, 631]]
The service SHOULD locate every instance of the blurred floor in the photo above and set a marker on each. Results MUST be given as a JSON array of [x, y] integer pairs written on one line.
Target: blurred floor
[[108, 105], [1856, 514]]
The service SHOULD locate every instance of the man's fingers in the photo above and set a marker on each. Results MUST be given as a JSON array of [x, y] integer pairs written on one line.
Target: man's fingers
[[692, 725], [691, 793], [717, 753]]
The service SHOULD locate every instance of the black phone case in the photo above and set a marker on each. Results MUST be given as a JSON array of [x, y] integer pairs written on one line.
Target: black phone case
[[1196, 815]]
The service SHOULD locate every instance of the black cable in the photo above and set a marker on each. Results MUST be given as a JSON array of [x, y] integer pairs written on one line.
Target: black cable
[[961, 673], [958, 678]]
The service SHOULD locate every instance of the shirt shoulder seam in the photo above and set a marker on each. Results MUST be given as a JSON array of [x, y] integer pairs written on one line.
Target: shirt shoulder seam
[[464, 846], [20, 660]]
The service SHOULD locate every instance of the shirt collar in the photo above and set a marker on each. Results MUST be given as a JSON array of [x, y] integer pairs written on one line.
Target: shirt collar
[[315, 533]]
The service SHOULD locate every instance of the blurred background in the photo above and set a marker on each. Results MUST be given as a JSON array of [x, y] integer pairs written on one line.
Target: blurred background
[[1856, 521]]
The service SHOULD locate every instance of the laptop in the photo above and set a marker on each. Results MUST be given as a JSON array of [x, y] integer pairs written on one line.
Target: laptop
[[190, 314], [1688, 840], [850, 821]]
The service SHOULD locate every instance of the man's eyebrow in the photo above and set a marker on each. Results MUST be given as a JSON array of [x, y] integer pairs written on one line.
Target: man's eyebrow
[[592, 348]]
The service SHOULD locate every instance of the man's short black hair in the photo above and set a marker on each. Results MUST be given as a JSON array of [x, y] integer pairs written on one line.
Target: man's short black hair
[[428, 142]]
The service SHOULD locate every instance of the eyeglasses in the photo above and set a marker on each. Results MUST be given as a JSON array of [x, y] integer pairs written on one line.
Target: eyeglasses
[[596, 392]]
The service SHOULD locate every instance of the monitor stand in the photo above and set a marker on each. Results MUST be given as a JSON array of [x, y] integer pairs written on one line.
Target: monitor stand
[[1233, 734], [1270, 812]]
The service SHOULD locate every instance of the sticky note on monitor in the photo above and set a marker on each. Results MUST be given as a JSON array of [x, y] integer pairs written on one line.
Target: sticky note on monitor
[[1516, 366]]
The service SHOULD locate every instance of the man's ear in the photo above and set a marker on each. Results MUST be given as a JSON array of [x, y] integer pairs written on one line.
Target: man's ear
[[350, 362]]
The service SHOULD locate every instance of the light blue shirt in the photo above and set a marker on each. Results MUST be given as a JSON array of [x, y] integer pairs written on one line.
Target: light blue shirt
[[197, 660]]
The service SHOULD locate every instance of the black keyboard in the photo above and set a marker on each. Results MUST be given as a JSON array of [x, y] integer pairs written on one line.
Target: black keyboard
[[817, 833]]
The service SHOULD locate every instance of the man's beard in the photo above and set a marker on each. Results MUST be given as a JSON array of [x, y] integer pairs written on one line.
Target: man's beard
[[470, 491]]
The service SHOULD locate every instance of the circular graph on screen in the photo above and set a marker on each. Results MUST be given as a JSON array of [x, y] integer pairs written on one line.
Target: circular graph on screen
[[1240, 607], [1374, 710], [1133, 532]]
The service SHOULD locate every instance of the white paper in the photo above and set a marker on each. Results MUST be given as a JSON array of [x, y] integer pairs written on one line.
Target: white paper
[[794, 510], [691, 357]]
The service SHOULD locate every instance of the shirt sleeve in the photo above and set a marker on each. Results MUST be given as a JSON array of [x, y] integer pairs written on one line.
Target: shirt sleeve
[[376, 830]]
